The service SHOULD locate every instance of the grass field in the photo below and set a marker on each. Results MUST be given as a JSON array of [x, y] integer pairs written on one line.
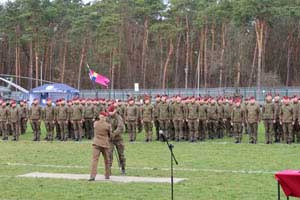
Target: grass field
[[215, 169]]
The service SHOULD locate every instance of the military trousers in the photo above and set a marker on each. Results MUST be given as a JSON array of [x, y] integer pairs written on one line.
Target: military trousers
[[202, 129], [119, 146], [278, 131], [15, 129], [156, 124], [253, 132], [171, 130], [97, 150], [50, 129], [269, 130], [220, 128], [287, 132], [228, 127], [63, 126], [238, 131], [89, 128], [296, 132], [148, 126], [77, 126], [3, 129], [58, 131], [23, 125], [178, 126], [193, 129], [36, 127], [164, 126], [212, 128], [131, 125]]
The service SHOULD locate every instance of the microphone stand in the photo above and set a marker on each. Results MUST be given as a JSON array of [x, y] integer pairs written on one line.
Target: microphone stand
[[173, 158]]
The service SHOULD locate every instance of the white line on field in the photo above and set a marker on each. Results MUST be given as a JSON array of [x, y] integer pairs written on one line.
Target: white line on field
[[151, 168]]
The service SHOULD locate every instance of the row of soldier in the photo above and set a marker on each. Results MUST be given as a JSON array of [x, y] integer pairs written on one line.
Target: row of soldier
[[193, 119]]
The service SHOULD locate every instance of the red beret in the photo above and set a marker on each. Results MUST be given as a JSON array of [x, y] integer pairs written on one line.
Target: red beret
[[111, 108], [104, 114]]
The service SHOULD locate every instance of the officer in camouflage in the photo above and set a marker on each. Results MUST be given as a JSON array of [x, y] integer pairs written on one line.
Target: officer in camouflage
[[49, 119], [268, 116], [147, 119], [252, 119]]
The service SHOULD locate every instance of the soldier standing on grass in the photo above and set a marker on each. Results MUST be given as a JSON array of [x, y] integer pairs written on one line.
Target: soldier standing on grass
[[253, 118], [155, 113], [15, 118], [164, 116], [286, 120], [296, 126], [227, 106], [57, 128], [89, 118], [202, 119], [49, 120], [178, 118], [62, 118], [116, 140], [221, 124], [3, 120], [212, 116], [238, 118], [70, 125], [77, 119], [35, 116], [24, 116], [131, 117], [268, 116], [147, 119], [192, 119], [277, 126], [101, 144]]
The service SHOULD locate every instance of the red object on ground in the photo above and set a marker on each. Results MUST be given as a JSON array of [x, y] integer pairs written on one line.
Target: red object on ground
[[290, 182]]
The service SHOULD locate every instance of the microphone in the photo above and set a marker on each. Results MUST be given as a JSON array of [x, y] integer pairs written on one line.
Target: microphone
[[162, 135]]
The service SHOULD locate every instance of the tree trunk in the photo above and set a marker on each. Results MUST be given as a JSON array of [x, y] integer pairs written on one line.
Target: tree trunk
[[187, 51], [222, 54], [238, 69], [253, 65], [260, 32], [205, 57], [177, 60], [82, 58], [171, 49], [161, 60], [288, 65], [17, 56], [30, 63], [63, 67], [36, 51], [144, 51]]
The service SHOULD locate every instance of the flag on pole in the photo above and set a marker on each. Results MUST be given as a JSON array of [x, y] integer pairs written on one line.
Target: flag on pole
[[98, 78]]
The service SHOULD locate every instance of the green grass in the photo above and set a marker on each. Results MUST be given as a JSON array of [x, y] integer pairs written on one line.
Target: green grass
[[199, 160]]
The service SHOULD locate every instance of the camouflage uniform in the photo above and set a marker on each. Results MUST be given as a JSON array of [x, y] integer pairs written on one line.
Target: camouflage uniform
[[227, 117], [212, 116], [24, 116], [15, 118], [164, 117], [286, 114], [202, 121], [3, 121], [156, 121], [62, 118], [253, 117], [131, 116], [192, 117], [76, 119], [278, 132], [89, 115], [118, 129], [268, 118], [178, 119], [147, 118], [221, 125], [296, 126], [238, 118], [35, 115], [49, 119]]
